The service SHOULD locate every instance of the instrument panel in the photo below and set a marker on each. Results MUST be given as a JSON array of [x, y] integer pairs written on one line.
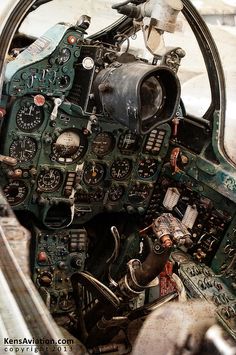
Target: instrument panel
[[67, 154], [62, 161]]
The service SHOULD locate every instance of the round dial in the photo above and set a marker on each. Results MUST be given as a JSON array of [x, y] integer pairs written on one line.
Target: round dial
[[120, 169], [29, 117], [93, 174], [64, 81], [128, 142], [23, 149], [115, 193], [50, 180], [69, 146], [15, 192], [147, 168], [97, 195], [138, 193], [103, 143], [64, 56]]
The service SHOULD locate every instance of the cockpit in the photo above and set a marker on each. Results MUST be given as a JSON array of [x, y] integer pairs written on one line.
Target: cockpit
[[122, 179]]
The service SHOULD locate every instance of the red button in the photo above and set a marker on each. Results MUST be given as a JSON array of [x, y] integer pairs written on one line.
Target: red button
[[39, 100], [71, 39], [42, 256]]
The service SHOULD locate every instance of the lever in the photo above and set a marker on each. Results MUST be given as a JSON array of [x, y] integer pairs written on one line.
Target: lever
[[8, 160], [57, 103], [114, 256]]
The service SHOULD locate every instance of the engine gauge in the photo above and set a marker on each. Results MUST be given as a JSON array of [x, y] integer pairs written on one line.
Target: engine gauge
[[103, 143], [49, 181], [29, 118], [128, 142], [15, 192], [93, 173], [115, 193], [147, 168], [23, 149], [120, 169], [138, 193], [69, 147]]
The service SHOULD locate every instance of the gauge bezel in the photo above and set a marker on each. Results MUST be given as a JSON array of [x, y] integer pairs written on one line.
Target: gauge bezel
[[23, 185], [110, 147], [137, 188], [133, 147], [86, 171], [123, 177], [16, 141], [116, 188], [42, 174], [145, 162], [41, 117], [63, 60]]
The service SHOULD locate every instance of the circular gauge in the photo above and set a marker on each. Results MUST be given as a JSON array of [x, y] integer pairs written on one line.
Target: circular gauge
[[115, 193], [97, 195], [23, 149], [147, 168], [69, 146], [103, 143], [120, 169], [88, 63], [64, 81], [50, 180], [15, 192], [128, 142], [93, 174], [64, 56], [29, 117], [138, 193]]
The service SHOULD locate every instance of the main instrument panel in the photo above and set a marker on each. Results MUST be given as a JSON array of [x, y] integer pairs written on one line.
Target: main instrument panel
[[109, 166]]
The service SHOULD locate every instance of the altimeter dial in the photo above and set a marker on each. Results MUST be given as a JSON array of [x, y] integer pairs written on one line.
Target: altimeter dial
[[29, 117]]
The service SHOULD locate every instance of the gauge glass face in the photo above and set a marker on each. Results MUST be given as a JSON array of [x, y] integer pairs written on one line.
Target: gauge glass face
[[103, 143], [115, 193], [120, 169], [29, 118], [147, 168], [138, 193], [93, 174], [128, 142], [15, 192], [69, 146], [50, 180], [23, 149]]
